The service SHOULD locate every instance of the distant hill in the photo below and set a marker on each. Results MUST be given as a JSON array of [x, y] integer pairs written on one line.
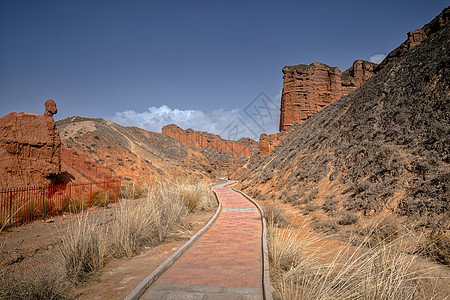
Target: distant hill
[[137, 155], [382, 148]]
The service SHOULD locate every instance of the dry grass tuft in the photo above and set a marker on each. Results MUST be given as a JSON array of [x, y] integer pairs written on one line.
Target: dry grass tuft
[[83, 250], [301, 269], [136, 226], [100, 198], [436, 247], [275, 214], [151, 222], [36, 286]]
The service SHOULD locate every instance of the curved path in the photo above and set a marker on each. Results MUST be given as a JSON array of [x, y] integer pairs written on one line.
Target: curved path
[[226, 262]]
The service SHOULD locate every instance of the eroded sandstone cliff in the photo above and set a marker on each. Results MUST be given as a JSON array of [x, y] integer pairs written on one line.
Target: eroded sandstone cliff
[[308, 89], [30, 148], [245, 147]]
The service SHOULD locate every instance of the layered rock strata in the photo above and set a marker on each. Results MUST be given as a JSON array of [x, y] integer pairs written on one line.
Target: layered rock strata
[[245, 147], [30, 149], [308, 89]]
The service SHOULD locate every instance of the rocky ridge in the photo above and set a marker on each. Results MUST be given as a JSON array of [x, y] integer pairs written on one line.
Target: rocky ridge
[[382, 148], [245, 147], [139, 156]]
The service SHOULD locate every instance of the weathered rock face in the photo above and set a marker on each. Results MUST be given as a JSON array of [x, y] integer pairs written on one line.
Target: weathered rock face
[[30, 150], [308, 89], [50, 108], [267, 143], [381, 149], [244, 147]]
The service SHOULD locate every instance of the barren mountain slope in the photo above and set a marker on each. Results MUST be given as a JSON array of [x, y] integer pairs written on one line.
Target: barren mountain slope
[[384, 147], [138, 155]]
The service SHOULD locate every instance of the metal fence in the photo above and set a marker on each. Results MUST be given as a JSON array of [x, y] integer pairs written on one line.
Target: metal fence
[[23, 205]]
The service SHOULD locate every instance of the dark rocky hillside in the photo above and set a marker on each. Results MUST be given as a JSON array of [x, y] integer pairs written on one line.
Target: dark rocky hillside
[[382, 148]]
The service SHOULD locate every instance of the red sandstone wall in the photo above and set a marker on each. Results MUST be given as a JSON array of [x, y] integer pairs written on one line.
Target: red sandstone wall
[[267, 143], [308, 89], [30, 150], [204, 140]]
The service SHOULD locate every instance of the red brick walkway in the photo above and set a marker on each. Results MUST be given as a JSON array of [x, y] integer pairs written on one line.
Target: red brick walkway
[[225, 263]]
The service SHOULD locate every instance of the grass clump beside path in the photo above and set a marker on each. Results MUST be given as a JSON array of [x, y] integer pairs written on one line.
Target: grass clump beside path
[[86, 246], [304, 266]]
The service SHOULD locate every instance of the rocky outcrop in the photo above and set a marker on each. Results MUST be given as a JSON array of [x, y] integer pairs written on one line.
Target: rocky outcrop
[[308, 89], [245, 147], [30, 149], [382, 149], [417, 37], [267, 143]]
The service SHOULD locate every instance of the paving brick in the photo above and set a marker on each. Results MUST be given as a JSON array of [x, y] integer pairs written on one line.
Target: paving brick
[[224, 263]]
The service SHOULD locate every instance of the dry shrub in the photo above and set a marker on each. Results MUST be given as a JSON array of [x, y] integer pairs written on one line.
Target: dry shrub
[[100, 198], [132, 191], [152, 221], [77, 205], [83, 249], [62, 206], [27, 212], [35, 286], [195, 194], [329, 204], [275, 214], [287, 247], [348, 218], [381, 229], [436, 247], [351, 273]]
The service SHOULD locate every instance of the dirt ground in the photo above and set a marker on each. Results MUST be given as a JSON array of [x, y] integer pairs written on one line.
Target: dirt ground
[[34, 247]]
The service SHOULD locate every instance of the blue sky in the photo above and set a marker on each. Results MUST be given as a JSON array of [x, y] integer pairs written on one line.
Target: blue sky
[[195, 63]]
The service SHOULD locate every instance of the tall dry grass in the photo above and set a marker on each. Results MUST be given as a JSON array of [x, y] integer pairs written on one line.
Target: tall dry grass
[[37, 285], [137, 225], [304, 266], [83, 249]]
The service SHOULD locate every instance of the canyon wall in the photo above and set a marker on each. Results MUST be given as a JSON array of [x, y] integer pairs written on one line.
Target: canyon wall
[[30, 149], [308, 89], [267, 143], [245, 147]]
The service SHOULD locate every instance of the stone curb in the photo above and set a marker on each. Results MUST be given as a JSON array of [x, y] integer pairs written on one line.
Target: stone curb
[[143, 286], [267, 289]]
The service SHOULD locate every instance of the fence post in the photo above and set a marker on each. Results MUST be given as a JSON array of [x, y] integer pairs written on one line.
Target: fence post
[[43, 203], [10, 205], [90, 195]]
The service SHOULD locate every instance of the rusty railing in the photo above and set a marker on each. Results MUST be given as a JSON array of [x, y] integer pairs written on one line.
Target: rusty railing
[[23, 205]]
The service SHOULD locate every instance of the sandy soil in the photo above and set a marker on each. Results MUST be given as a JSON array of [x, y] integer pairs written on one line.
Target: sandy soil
[[35, 247]]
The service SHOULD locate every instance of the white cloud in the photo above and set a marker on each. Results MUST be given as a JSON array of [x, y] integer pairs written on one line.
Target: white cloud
[[218, 121], [377, 58]]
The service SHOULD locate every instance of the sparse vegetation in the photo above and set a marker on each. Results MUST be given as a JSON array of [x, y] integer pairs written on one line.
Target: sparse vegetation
[[436, 247], [275, 214], [301, 268], [137, 226], [83, 250], [40, 284]]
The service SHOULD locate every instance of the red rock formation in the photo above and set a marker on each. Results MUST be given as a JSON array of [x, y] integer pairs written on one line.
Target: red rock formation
[[267, 143], [244, 147], [30, 150], [308, 89]]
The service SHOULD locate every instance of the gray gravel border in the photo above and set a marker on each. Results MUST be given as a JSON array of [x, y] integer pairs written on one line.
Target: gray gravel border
[[267, 288], [143, 286]]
